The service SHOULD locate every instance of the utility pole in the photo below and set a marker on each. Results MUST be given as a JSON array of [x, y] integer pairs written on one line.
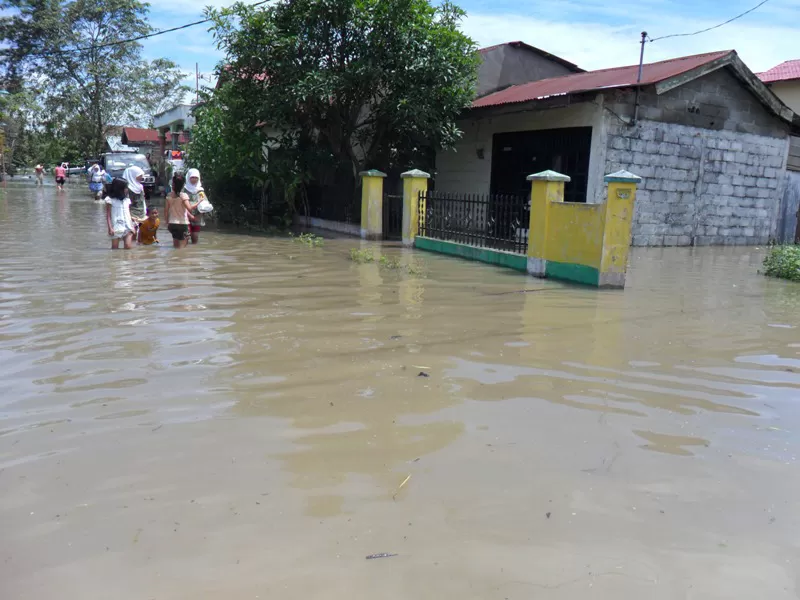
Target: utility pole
[[197, 83], [639, 79]]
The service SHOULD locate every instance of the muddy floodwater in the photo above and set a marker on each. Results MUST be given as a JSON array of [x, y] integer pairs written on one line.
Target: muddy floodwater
[[253, 418]]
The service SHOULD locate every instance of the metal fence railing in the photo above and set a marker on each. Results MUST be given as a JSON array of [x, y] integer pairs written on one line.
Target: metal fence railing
[[498, 221]]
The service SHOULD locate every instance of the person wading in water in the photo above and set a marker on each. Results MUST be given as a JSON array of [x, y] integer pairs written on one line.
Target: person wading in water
[[118, 215], [194, 188], [135, 176], [178, 208], [61, 177]]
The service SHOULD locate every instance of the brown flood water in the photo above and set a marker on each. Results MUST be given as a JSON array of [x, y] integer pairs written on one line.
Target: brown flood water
[[235, 421]]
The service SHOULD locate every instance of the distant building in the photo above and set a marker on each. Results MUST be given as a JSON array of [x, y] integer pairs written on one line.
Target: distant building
[[514, 63], [174, 124], [114, 143], [148, 141], [708, 137], [784, 81]]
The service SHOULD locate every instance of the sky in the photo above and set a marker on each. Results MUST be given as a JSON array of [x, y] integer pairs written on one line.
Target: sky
[[594, 34]]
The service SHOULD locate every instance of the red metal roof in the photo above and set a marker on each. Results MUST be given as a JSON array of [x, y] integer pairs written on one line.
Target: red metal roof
[[786, 71], [598, 80], [136, 135]]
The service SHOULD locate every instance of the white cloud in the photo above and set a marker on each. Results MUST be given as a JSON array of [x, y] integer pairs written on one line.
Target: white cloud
[[594, 44]]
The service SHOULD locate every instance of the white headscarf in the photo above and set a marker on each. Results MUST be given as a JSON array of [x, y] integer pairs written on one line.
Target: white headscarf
[[193, 189], [130, 175]]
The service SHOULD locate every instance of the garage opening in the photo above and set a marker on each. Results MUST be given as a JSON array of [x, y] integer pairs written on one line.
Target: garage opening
[[515, 155]]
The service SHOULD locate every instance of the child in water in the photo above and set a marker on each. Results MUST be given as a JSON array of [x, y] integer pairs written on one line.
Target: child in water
[[118, 214], [148, 229]]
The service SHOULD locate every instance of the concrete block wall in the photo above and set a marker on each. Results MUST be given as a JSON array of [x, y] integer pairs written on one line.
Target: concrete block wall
[[701, 186], [716, 101]]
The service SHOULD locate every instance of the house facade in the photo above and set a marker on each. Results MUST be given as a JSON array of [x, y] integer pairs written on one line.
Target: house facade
[[148, 141], [708, 137], [784, 81]]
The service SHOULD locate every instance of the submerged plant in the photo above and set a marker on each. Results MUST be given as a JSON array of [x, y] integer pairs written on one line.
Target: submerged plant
[[360, 256], [309, 239], [783, 262], [389, 263]]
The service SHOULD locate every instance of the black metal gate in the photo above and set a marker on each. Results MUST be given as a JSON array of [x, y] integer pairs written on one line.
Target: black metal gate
[[392, 217]]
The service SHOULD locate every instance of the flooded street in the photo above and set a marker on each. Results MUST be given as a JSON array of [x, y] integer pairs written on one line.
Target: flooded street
[[251, 418]]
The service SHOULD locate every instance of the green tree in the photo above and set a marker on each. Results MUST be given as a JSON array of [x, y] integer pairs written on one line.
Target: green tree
[[71, 53], [345, 85]]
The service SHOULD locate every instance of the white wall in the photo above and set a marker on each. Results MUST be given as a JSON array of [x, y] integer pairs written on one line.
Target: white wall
[[460, 169], [788, 92]]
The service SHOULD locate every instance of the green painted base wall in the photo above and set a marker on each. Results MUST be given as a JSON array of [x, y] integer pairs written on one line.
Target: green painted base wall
[[572, 272], [517, 262]]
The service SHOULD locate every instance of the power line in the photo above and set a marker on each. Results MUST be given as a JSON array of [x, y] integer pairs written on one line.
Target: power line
[[747, 12], [133, 39]]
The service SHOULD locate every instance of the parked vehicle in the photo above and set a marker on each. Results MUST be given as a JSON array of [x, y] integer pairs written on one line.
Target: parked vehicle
[[115, 164]]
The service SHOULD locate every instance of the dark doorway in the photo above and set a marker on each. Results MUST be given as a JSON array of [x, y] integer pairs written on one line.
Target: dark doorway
[[517, 154]]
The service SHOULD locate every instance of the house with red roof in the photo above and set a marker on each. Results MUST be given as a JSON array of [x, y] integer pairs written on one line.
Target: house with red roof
[[147, 140], [784, 81], [708, 137]]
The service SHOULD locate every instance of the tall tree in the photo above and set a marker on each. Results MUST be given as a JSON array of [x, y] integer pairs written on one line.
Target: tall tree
[[75, 53], [375, 83]]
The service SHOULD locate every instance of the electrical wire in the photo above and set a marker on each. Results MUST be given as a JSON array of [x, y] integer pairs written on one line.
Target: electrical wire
[[747, 12], [131, 40]]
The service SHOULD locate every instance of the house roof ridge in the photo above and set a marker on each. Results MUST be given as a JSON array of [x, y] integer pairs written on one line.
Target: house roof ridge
[[658, 62], [519, 43], [587, 74], [788, 70]]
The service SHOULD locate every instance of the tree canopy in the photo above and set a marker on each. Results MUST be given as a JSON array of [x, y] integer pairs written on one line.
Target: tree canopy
[[343, 85], [68, 56]]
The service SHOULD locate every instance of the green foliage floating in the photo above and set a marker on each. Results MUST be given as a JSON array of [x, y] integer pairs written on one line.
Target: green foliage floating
[[783, 262]]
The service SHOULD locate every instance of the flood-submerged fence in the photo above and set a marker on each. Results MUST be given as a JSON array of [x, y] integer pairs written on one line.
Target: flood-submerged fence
[[496, 221], [540, 233]]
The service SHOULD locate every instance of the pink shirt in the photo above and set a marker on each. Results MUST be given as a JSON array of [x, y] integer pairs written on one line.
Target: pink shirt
[[60, 172]]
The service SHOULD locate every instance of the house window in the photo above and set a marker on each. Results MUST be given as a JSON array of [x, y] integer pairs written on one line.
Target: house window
[[517, 154]]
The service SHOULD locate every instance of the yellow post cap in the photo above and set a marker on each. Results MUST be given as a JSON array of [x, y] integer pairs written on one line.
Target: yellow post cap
[[549, 176], [622, 177], [415, 173]]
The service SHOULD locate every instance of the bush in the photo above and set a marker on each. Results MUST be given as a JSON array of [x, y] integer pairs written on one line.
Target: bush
[[783, 262]]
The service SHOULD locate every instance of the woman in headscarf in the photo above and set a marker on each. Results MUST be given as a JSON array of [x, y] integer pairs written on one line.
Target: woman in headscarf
[[134, 176], [194, 187], [97, 176]]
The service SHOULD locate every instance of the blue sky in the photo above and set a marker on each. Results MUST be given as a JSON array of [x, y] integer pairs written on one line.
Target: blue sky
[[592, 33]]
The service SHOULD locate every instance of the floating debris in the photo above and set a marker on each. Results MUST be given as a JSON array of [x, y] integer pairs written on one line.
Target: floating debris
[[397, 491], [423, 374], [380, 555]]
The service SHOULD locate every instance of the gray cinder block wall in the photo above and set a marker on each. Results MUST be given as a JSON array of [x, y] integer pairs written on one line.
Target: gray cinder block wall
[[713, 162]]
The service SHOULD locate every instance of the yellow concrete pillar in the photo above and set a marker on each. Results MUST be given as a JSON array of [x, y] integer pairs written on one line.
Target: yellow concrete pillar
[[546, 187], [414, 182], [617, 232], [372, 205]]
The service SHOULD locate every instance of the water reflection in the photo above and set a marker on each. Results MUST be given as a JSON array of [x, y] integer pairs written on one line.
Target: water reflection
[[253, 389]]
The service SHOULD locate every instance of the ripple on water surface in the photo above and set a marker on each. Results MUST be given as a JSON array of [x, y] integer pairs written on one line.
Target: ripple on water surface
[[155, 402]]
